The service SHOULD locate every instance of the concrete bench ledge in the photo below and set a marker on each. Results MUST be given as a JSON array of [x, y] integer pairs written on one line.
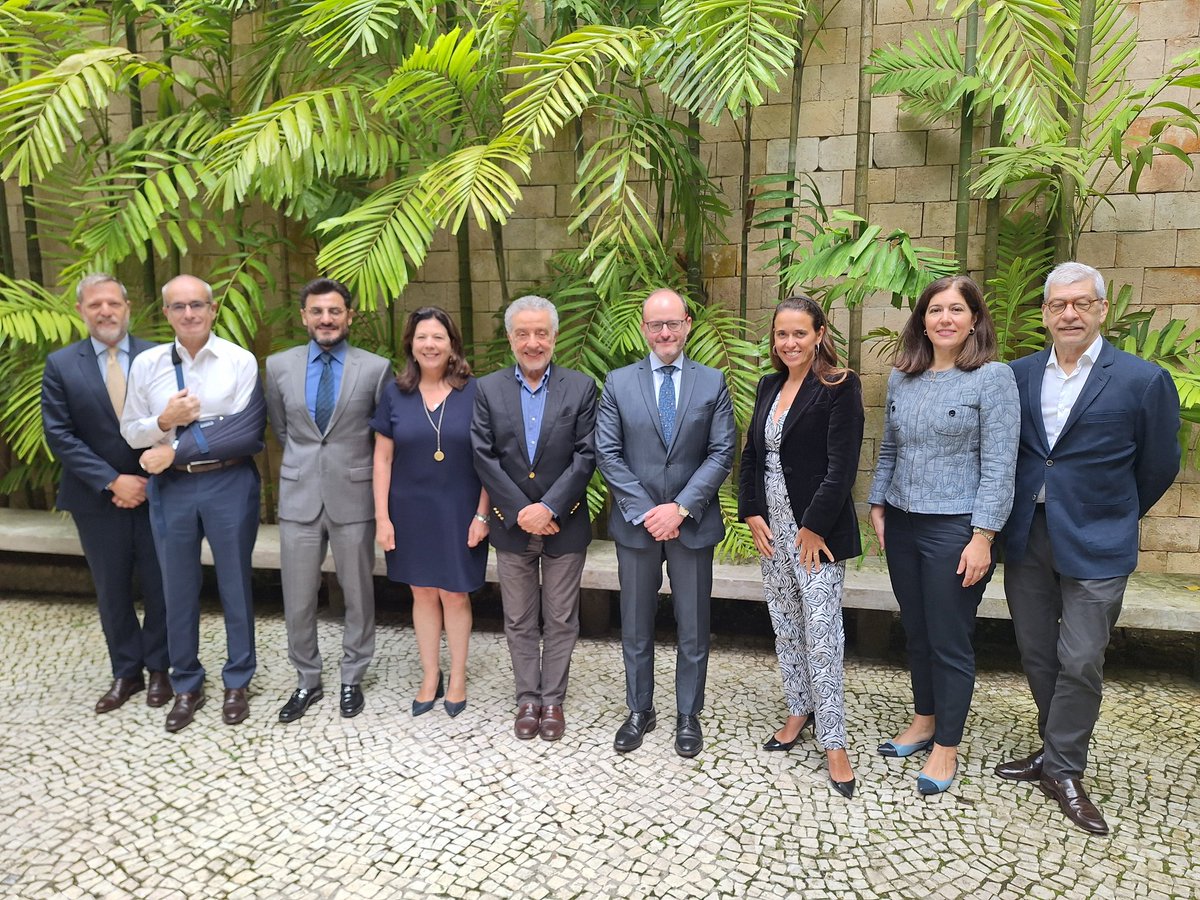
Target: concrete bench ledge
[[1161, 602]]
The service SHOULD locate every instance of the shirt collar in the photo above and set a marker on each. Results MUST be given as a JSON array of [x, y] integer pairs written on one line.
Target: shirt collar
[[525, 384], [1091, 354], [101, 348], [337, 351], [656, 363], [212, 345]]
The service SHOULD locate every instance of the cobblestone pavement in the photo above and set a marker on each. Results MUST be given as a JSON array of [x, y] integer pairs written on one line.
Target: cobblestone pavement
[[386, 806]]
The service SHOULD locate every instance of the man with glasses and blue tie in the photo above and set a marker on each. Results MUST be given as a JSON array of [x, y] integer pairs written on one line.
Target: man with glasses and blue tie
[[664, 444], [174, 390], [320, 399], [1098, 448]]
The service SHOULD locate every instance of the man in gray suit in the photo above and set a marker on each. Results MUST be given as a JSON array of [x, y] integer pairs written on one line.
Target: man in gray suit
[[664, 459], [320, 397], [532, 438]]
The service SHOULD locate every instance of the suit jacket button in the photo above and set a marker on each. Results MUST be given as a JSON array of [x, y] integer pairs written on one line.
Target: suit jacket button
[[1049, 462], [531, 475], [787, 470]]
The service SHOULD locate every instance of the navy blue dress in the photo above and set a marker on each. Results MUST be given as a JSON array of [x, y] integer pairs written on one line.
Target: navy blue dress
[[431, 503]]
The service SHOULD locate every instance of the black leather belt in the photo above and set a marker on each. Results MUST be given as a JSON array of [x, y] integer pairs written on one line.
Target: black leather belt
[[209, 465]]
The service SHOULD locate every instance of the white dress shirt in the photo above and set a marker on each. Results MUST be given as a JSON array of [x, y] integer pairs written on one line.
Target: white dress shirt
[[222, 375], [656, 366], [1060, 391]]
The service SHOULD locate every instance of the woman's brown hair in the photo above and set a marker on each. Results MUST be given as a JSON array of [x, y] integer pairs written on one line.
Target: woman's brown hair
[[824, 364], [458, 370], [915, 354]]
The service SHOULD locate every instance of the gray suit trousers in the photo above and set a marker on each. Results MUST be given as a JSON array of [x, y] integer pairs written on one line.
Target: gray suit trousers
[[640, 574], [302, 547], [1062, 626], [541, 657]]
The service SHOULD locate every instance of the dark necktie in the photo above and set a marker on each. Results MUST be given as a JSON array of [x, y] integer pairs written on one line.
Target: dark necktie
[[666, 402], [325, 392]]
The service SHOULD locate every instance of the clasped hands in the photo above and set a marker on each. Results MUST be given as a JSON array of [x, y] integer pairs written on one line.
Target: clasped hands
[[663, 521], [128, 491], [536, 518]]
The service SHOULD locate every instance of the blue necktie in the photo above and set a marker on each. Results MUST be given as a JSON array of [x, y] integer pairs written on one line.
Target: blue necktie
[[325, 392], [666, 402]]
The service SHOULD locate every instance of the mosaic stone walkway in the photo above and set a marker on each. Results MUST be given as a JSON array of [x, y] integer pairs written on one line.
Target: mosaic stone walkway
[[387, 806]]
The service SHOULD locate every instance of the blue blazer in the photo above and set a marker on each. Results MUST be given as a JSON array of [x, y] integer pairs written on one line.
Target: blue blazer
[[1116, 456], [82, 428]]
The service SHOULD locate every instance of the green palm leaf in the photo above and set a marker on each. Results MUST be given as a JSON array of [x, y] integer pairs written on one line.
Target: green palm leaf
[[434, 85], [565, 77], [336, 27], [475, 178], [381, 242], [284, 148], [727, 51], [30, 314]]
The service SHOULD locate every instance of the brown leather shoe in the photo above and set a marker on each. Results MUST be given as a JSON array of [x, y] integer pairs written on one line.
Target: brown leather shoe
[[528, 717], [1074, 803], [235, 708], [184, 710], [122, 689], [553, 723], [159, 691], [1028, 768]]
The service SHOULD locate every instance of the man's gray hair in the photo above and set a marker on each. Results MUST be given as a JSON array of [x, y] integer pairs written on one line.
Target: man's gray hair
[[1071, 272], [91, 281], [207, 287], [530, 303]]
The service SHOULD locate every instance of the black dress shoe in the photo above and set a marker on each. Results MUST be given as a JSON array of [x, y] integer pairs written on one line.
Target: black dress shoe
[[351, 702], [184, 710], [122, 689], [773, 743], [159, 690], [299, 702], [1028, 768], [845, 788], [630, 734], [1074, 802], [688, 739]]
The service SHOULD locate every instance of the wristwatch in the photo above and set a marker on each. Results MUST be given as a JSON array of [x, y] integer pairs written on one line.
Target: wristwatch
[[683, 510], [990, 536]]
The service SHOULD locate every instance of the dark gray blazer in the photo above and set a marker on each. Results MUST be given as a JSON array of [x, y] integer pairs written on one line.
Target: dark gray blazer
[[642, 471], [558, 474]]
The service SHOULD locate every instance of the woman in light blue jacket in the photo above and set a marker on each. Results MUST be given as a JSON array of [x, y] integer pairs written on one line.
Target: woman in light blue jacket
[[943, 488]]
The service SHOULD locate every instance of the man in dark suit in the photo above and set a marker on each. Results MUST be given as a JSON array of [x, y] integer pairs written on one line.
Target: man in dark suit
[[664, 443], [320, 398], [104, 489], [1098, 448], [213, 498], [532, 438]]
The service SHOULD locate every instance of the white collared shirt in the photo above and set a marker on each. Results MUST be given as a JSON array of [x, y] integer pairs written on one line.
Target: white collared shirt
[[656, 365], [1060, 390], [222, 375], [101, 349]]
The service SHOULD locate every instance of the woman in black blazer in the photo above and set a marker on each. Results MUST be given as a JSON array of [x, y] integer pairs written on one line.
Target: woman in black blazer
[[798, 467]]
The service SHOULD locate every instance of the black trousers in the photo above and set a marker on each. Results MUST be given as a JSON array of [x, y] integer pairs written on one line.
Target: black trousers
[[938, 613]]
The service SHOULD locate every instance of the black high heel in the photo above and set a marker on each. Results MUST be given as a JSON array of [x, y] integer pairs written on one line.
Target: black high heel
[[845, 788], [774, 743], [420, 707]]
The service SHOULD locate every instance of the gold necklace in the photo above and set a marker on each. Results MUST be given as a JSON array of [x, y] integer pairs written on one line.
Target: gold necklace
[[438, 455]]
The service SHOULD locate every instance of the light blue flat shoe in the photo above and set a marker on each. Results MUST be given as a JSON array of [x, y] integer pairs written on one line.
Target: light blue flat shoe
[[892, 750], [927, 786]]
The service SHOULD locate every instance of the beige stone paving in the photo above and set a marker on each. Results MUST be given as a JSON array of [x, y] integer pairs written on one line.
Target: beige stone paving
[[387, 806]]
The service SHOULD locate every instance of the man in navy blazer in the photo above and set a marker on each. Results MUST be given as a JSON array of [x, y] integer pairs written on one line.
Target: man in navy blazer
[[531, 434], [664, 444], [104, 488], [1098, 448]]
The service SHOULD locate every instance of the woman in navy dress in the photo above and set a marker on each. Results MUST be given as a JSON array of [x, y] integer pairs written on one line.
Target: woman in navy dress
[[430, 508]]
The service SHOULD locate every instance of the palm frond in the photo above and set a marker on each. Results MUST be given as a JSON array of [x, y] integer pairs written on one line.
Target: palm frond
[[477, 178], [39, 117], [928, 71], [336, 27], [564, 77], [327, 132], [30, 314], [434, 85], [21, 410], [381, 242], [727, 53]]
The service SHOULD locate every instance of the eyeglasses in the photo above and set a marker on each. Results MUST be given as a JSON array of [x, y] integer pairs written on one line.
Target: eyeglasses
[[540, 334], [1082, 305], [194, 306], [672, 325]]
